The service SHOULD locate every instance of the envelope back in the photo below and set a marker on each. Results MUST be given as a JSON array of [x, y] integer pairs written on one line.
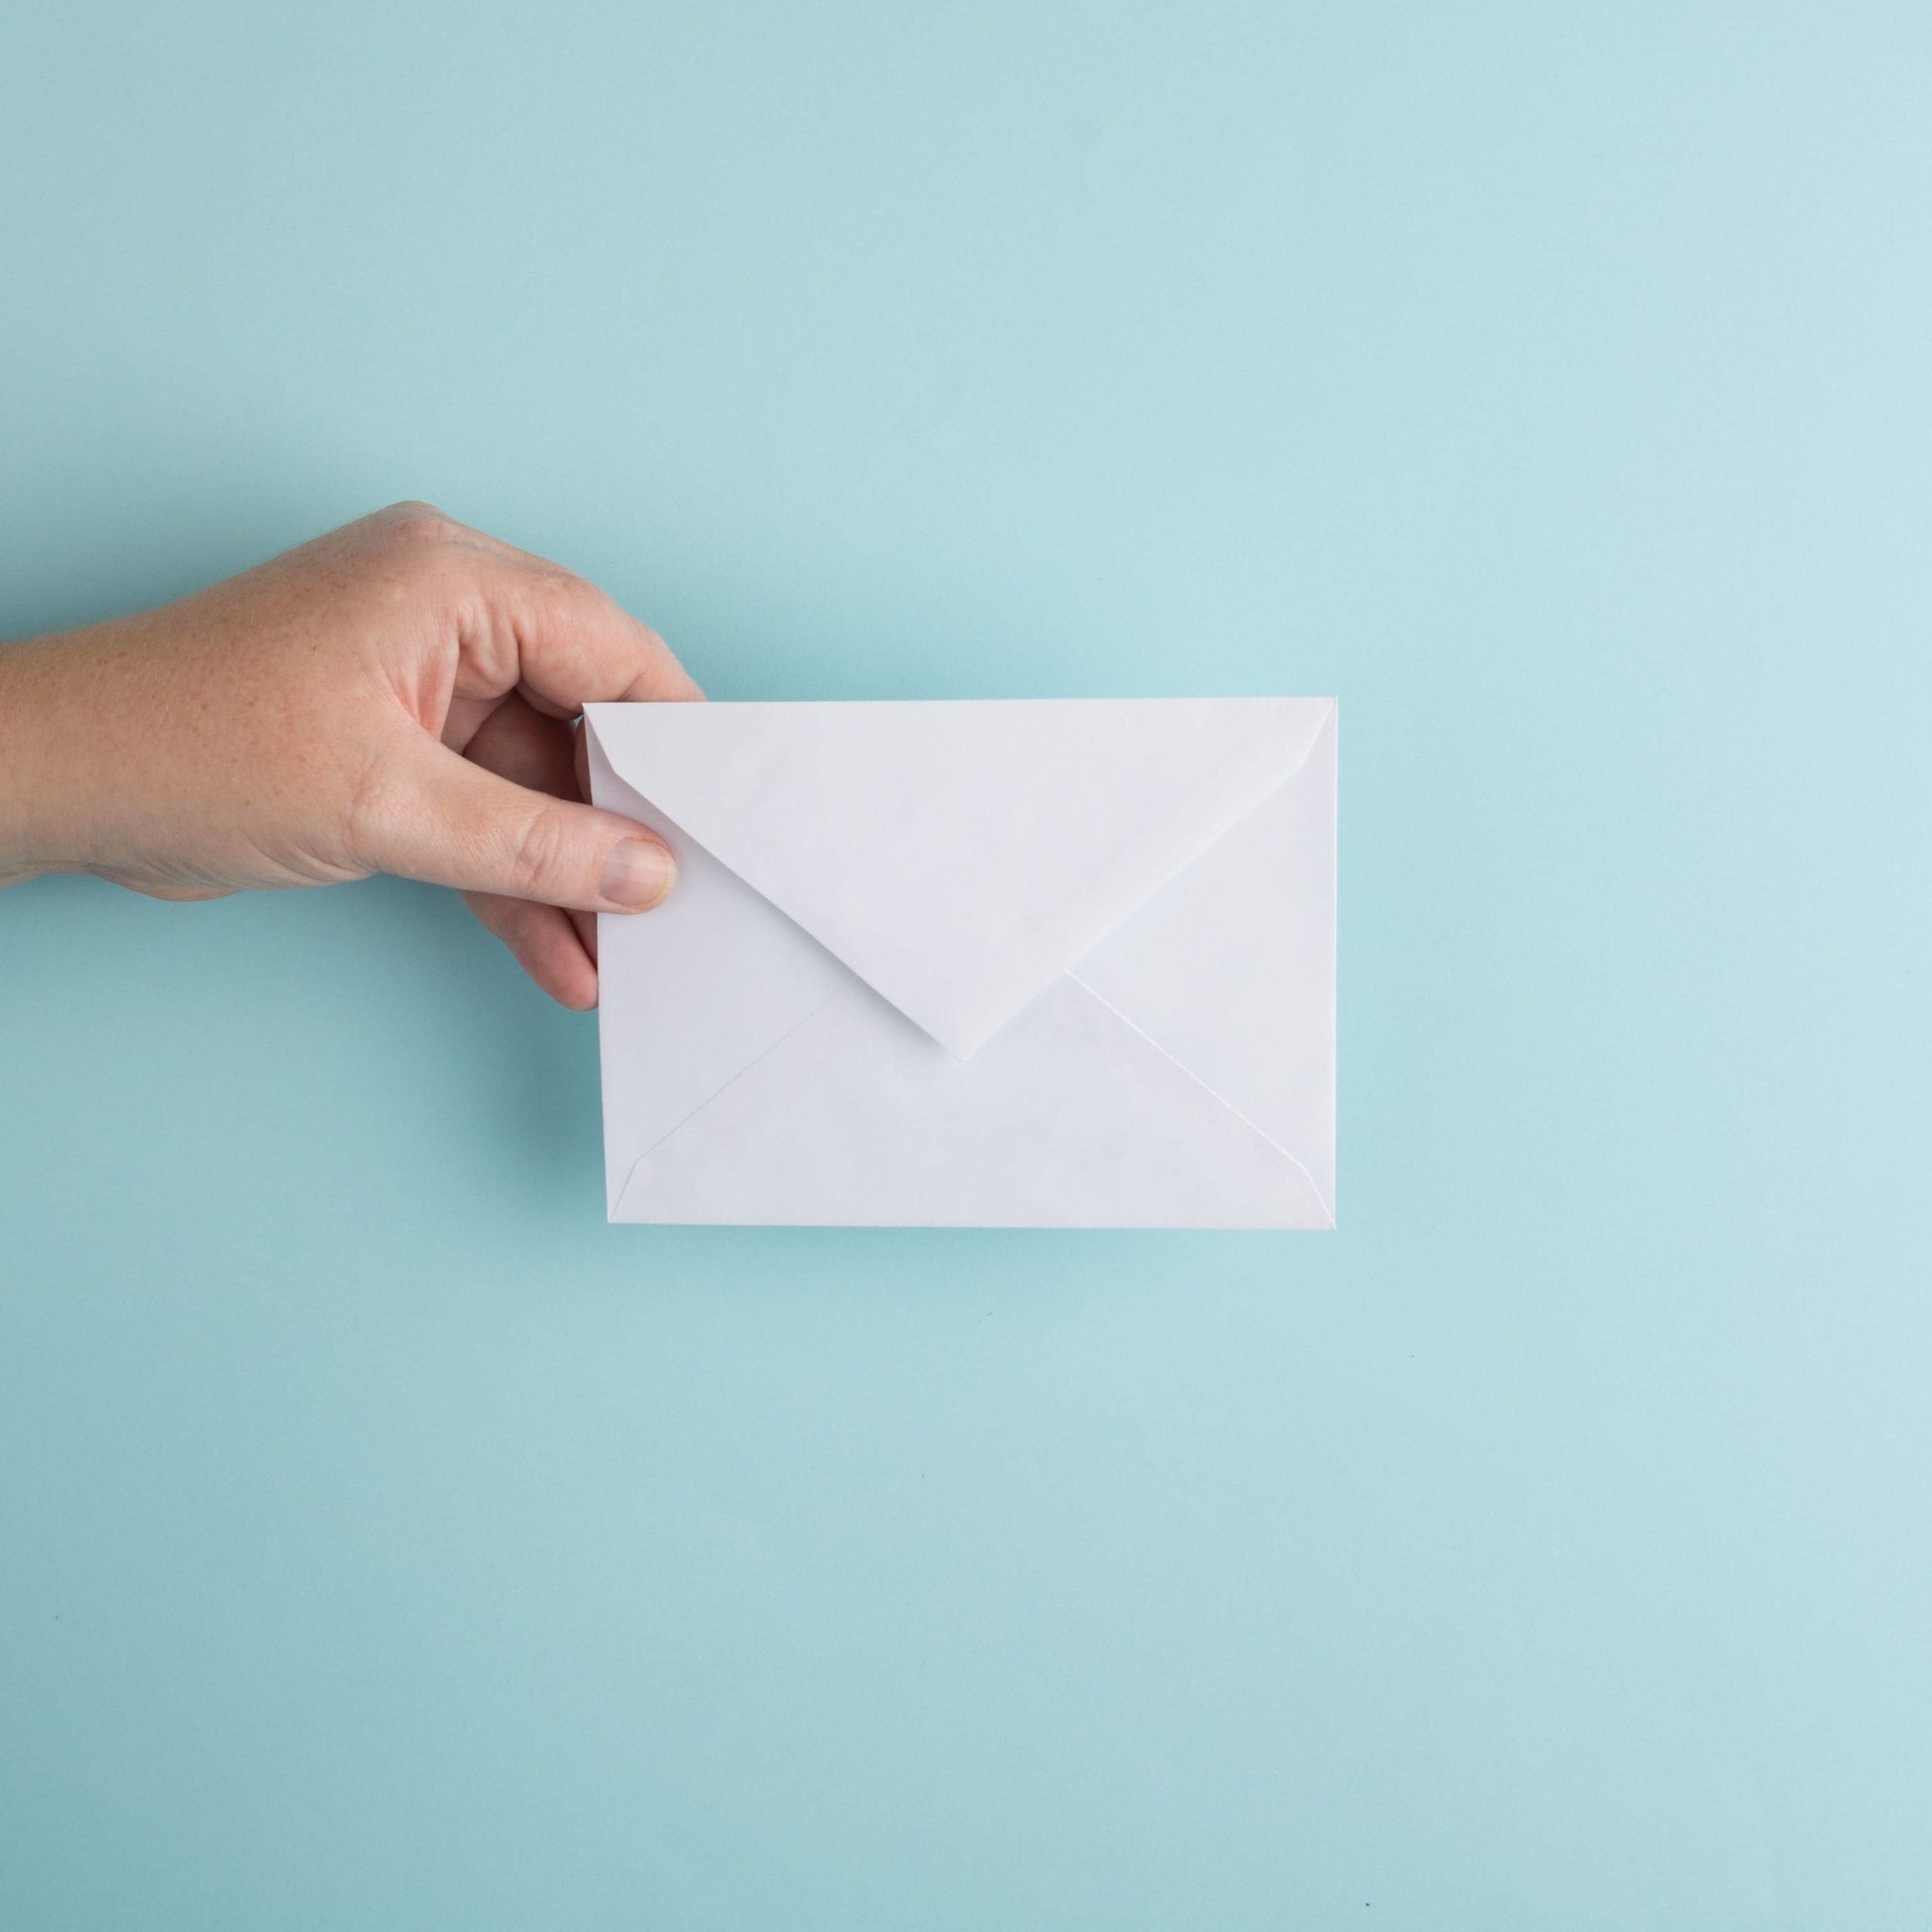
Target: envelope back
[[1148, 883]]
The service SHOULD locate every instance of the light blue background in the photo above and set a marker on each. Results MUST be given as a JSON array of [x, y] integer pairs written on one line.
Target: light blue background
[[387, 1543]]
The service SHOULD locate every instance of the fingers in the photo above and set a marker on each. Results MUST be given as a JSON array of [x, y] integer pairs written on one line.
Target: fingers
[[440, 817], [582, 648], [532, 645], [559, 950], [522, 745], [561, 642], [514, 622]]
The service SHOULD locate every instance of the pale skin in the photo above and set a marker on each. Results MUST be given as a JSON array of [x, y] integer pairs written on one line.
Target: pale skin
[[399, 696]]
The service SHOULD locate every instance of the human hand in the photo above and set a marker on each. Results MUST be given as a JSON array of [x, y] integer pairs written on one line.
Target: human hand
[[398, 695]]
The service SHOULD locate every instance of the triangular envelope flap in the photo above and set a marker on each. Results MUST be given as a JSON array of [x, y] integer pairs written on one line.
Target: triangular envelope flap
[[958, 855]]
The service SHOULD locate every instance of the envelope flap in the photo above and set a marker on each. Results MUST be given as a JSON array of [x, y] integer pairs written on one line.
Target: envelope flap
[[957, 856]]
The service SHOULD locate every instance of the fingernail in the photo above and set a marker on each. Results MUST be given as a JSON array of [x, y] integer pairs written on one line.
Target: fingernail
[[638, 874]]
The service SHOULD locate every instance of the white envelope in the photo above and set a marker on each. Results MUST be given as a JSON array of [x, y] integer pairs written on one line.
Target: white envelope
[[1064, 963]]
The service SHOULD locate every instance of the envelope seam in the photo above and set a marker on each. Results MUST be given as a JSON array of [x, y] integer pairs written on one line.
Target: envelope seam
[[717, 1093], [1225, 830], [1259, 1133]]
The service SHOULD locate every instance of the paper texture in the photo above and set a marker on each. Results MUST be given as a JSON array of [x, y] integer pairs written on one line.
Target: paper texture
[[1051, 963]]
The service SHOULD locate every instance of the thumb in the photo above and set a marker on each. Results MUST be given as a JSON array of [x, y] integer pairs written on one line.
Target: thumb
[[450, 823]]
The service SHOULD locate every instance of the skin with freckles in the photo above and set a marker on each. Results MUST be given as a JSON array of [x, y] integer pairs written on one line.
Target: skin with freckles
[[401, 696]]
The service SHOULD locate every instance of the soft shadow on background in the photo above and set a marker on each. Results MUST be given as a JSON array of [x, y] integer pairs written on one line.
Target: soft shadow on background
[[388, 1542]]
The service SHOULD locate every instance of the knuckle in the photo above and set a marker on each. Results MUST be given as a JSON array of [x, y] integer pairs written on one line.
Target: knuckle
[[561, 593], [413, 521], [555, 612], [540, 853], [418, 536]]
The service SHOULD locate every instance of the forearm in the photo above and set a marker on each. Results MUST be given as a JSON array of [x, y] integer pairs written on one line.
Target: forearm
[[40, 777], [105, 763]]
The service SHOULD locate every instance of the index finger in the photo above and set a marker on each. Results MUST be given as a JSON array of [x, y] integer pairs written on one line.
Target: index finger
[[563, 643]]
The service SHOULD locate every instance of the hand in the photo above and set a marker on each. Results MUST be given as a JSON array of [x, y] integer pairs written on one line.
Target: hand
[[399, 696]]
